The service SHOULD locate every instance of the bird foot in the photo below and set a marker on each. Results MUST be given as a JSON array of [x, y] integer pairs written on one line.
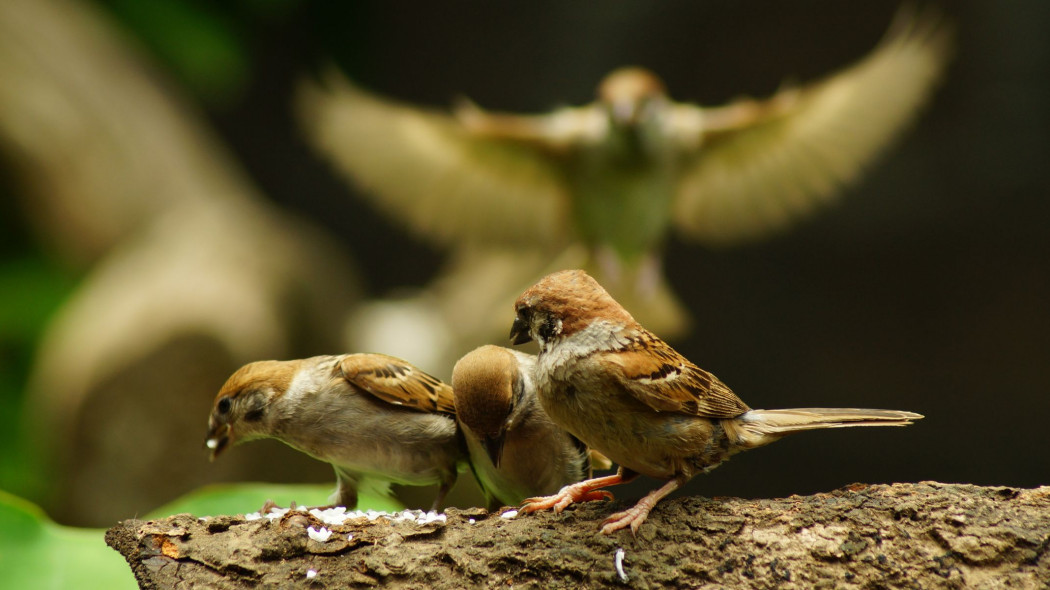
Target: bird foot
[[566, 496], [632, 517], [635, 515]]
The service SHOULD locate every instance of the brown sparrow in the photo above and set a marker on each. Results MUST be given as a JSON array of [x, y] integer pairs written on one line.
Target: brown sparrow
[[375, 418], [516, 451], [623, 391]]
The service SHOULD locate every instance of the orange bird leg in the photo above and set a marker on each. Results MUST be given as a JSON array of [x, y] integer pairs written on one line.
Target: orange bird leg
[[584, 491], [636, 515]]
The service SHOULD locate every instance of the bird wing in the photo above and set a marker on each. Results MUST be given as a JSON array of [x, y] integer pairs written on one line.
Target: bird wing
[[659, 377], [762, 164], [397, 382], [427, 170]]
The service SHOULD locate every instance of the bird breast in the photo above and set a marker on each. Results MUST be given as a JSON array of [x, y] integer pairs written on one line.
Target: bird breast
[[368, 436]]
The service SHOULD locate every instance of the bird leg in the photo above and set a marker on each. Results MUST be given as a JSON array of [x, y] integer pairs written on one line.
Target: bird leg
[[345, 490], [584, 491], [636, 515], [446, 485]]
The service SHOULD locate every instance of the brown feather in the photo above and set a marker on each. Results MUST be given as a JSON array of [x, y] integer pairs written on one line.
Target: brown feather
[[661, 378], [398, 382]]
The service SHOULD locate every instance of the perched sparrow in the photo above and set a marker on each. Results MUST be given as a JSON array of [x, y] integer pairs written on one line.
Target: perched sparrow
[[375, 418], [617, 174], [623, 391], [515, 450]]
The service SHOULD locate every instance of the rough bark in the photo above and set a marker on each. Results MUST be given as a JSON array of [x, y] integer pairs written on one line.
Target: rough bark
[[926, 535]]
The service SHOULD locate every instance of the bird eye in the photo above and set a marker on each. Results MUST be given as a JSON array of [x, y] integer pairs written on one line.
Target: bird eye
[[224, 405], [551, 327]]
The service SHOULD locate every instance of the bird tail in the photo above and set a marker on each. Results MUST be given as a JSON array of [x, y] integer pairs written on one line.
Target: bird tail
[[759, 427]]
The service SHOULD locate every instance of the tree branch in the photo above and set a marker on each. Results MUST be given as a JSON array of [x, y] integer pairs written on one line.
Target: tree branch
[[871, 536]]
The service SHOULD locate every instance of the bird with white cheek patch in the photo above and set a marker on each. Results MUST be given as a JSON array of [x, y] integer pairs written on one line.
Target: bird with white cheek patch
[[516, 451], [377, 419], [623, 391]]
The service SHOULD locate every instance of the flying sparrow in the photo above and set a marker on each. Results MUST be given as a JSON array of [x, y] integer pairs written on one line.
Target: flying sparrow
[[516, 451], [375, 418], [617, 174], [623, 391]]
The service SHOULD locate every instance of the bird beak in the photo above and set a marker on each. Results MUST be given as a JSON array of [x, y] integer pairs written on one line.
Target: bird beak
[[218, 439], [494, 448], [519, 332]]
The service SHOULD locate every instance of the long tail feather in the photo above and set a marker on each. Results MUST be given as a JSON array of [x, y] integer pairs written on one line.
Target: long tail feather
[[759, 427]]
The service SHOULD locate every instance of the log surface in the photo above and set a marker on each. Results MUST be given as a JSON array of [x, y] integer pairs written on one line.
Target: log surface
[[925, 535]]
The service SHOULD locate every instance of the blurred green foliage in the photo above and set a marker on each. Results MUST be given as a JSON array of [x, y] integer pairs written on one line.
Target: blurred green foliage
[[37, 553], [32, 287], [206, 45]]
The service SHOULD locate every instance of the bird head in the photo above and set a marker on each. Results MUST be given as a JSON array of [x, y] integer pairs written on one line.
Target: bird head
[[626, 92], [487, 384], [562, 304], [241, 405]]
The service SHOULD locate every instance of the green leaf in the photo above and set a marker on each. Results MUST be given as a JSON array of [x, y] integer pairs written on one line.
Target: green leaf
[[37, 553], [241, 498]]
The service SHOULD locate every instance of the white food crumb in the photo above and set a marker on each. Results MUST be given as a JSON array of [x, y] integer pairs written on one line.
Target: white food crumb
[[471, 521], [350, 537], [319, 535], [339, 515], [276, 513], [619, 565], [311, 574], [213, 443], [509, 514], [334, 516]]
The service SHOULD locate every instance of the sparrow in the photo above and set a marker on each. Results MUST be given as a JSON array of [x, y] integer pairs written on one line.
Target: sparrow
[[377, 419], [618, 174], [623, 391], [516, 451]]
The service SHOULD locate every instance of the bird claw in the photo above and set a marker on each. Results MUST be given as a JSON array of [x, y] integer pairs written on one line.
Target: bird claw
[[632, 517], [565, 497]]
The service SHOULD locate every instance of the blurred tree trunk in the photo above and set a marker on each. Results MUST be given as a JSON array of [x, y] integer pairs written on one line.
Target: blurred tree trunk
[[926, 535], [193, 271]]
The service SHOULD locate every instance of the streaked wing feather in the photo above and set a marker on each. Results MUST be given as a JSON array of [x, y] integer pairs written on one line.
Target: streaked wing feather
[[425, 170], [398, 382], [805, 143], [664, 380]]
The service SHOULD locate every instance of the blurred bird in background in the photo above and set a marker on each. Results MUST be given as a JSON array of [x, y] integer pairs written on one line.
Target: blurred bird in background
[[601, 186]]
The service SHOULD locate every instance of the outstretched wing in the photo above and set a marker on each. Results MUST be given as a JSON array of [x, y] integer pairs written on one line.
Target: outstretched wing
[[656, 375], [763, 164], [426, 170], [398, 382]]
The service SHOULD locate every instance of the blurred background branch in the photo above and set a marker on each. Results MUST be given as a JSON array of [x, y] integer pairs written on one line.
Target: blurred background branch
[[188, 271]]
